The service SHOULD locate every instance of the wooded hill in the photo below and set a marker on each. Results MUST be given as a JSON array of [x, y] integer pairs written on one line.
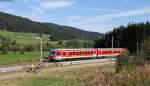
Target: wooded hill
[[58, 32], [126, 36]]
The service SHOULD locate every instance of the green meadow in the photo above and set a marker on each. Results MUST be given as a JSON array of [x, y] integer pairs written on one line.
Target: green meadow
[[24, 38], [14, 56]]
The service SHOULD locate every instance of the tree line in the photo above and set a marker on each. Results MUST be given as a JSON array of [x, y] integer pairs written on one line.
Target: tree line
[[7, 44], [126, 36], [58, 32]]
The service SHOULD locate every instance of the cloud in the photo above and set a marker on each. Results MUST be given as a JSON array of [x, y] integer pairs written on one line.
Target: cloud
[[98, 9], [104, 10], [56, 4], [4, 7], [108, 17], [99, 22]]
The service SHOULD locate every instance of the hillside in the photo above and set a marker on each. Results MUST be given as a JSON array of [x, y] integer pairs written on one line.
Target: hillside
[[24, 38], [71, 32], [19, 24]]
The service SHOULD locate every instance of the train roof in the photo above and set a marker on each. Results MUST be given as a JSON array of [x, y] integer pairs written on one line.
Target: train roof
[[82, 48], [72, 49]]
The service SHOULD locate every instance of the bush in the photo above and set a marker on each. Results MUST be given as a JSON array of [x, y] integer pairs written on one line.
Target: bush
[[138, 76], [125, 61], [4, 49], [30, 48], [22, 52], [146, 49]]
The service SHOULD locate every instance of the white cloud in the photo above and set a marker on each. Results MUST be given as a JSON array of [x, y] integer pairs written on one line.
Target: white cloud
[[56, 4], [104, 10], [97, 23], [101, 18], [4, 7], [96, 9], [39, 11]]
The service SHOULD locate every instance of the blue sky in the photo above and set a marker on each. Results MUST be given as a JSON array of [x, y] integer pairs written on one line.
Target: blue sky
[[91, 15]]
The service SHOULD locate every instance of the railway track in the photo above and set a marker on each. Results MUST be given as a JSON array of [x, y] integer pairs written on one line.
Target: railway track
[[56, 64]]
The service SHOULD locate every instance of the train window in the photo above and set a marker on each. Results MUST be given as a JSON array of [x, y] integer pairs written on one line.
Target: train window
[[106, 52], [64, 53], [91, 52], [85, 52], [70, 53], [88, 52], [100, 52], [76, 53], [73, 53], [94, 52], [57, 53], [53, 53], [80, 53], [103, 52]]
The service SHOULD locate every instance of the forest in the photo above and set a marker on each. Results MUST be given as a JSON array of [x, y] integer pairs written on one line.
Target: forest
[[14, 23], [130, 37]]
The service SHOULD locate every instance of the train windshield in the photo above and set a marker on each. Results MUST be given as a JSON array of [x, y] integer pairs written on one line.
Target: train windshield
[[52, 53]]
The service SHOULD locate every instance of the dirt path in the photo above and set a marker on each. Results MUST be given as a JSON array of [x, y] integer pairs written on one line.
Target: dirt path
[[54, 70]]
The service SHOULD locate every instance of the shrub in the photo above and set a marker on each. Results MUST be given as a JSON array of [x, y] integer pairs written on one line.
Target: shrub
[[22, 52], [4, 49], [30, 48], [125, 61]]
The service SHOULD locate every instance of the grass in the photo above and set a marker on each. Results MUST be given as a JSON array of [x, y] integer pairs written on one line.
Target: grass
[[60, 76], [13, 57], [43, 81], [80, 75], [24, 38]]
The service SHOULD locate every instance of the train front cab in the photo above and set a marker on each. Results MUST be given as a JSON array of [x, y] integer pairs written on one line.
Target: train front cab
[[54, 55]]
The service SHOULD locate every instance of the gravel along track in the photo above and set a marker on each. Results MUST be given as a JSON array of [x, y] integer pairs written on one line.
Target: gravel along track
[[51, 70], [54, 64]]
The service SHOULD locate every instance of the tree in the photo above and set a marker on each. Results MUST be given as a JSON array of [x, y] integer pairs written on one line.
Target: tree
[[4, 49], [125, 61], [30, 48], [126, 37], [74, 43], [6, 45], [146, 49]]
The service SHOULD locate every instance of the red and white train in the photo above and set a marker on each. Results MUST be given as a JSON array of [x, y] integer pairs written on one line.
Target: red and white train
[[61, 54]]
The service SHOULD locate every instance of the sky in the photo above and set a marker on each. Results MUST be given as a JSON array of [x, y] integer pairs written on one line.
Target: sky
[[90, 15]]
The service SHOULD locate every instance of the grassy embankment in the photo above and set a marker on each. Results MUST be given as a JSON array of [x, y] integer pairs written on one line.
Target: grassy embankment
[[79, 75]]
